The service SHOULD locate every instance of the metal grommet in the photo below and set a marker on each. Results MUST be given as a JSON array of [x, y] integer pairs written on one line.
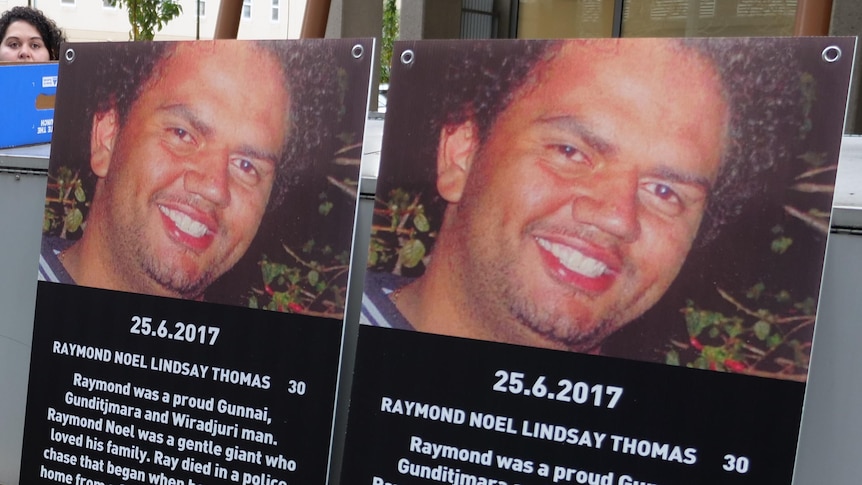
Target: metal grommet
[[407, 57], [357, 51], [69, 55], [831, 53]]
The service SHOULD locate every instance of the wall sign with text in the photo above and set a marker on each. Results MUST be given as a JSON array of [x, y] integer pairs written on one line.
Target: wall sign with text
[[194, 262], [604, 257]]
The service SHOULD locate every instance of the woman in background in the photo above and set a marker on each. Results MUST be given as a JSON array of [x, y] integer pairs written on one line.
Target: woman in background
[[29, 36]]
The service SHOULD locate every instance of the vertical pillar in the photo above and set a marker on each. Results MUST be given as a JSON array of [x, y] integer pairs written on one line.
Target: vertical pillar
[[812, 17], [315, 19], [227, 23]]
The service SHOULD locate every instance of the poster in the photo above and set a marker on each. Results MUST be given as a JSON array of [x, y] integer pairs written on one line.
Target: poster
[[194, 263], [596, 261]]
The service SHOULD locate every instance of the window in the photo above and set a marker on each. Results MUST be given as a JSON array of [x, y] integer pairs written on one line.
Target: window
[[67, 2], [202, 8], [478, 19], [106, 4], [275, 10], [246, 9]]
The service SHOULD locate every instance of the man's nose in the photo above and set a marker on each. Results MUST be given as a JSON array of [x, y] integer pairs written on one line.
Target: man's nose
[[609, 202], [209, 177], [24, 53]]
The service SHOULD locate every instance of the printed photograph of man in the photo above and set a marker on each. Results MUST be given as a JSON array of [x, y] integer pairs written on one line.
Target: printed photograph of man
[[190, 146], [572, 179]]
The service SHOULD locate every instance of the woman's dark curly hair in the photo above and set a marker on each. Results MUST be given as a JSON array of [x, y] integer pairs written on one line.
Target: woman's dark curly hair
[[52, 35]]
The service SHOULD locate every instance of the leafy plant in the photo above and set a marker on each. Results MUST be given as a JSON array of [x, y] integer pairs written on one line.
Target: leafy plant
[[304, 285], [769, 336], [312, 278], [401, 233], [390, 33], [148, 16], [767, 333], [65, 204]]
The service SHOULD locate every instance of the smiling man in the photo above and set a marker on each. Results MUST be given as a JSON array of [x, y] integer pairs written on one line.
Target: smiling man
[[187, 153], [577, 177]]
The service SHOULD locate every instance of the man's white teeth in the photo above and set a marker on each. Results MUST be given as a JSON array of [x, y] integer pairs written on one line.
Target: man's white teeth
[[184, 223], [574, 260]]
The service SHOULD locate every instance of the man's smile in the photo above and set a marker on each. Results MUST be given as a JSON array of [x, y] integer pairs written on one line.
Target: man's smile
[[189, 231], [572, 267], [574, 260]]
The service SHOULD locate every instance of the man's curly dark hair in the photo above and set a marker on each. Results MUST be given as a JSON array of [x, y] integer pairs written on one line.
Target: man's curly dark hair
[[52, 35], [761, 82], [310, 83]]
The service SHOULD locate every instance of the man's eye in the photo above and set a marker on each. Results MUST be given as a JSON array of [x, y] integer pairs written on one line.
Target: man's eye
[[565, 158], [182, 134], [663, 198], [247, 166], [246, 170], [663, 191], [179, 140], [571, 153]]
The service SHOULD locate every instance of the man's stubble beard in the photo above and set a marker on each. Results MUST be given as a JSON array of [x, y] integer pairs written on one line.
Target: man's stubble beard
[[177, 282], [143, 270], [498, 301], [145, 261], [507, 299]]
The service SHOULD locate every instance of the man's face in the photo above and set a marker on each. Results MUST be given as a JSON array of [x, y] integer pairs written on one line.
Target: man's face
[[190, 172], [579, 209]]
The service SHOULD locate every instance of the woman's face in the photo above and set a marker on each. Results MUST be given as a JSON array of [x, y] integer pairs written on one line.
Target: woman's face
[[23, 42]]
